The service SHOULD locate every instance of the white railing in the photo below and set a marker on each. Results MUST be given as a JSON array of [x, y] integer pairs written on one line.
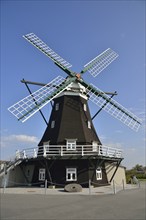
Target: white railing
[[62, 151]]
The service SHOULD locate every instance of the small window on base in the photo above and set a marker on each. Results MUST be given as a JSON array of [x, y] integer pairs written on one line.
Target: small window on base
[[85, 107], [71, 174], [52, 124], [99, 173], [42, 174], [89, 124], [57, 107]]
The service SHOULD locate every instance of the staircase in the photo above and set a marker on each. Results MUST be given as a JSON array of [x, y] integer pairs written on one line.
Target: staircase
[[10, 166]]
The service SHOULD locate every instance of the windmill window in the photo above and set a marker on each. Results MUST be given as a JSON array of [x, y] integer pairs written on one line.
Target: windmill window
[[57, 107], [85, 107], [42, 174], [71, 174], [99, 173], [89, 124], [52, 124], [71, 144]]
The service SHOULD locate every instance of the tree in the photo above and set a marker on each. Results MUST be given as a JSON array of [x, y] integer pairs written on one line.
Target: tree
[[138, 167]]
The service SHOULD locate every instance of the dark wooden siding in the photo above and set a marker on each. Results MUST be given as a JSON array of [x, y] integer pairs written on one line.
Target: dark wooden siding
[[71, 122], [56, 169]]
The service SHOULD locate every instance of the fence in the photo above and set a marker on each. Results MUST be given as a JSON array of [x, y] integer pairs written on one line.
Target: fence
[[102, 189], [64, 150]]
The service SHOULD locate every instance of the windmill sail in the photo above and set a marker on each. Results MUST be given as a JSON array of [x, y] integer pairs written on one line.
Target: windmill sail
[[100, 62], [99, 98], [26, 107], [39, 44]]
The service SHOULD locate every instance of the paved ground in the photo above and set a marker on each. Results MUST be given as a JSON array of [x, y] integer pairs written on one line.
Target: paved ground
[[85, 191], [101, 204]]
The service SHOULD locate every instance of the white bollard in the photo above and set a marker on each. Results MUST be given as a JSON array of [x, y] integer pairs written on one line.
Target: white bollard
[[45, 186], [5, 181], [89, 187], [114, 187], [123, 184]]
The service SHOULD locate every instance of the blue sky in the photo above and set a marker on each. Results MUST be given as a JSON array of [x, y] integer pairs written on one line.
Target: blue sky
[[78, 31]]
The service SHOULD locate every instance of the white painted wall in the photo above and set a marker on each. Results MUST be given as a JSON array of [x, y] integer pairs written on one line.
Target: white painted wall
[[119, 177], [15, 176]]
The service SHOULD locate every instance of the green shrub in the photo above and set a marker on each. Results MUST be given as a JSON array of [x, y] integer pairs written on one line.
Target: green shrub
[[134, 172]]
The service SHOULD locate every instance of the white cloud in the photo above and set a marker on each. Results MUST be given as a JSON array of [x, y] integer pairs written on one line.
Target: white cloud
[[11, 143], [24, 138], [132, 152], [20, 139]]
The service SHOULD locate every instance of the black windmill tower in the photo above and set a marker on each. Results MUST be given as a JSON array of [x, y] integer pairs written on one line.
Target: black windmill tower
[[70, 150]]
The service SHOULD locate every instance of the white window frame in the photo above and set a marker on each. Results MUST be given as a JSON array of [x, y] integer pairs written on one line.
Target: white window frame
[[71, 174], [57, 106], [85, 107], [42, 174], [89, 124], [53, 124], [71, 144], [98, 173]]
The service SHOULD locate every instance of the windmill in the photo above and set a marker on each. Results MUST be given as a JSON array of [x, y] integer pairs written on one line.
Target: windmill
[[70, 126]]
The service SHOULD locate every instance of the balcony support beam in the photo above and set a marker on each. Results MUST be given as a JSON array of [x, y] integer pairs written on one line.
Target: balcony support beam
[[118, 164]]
